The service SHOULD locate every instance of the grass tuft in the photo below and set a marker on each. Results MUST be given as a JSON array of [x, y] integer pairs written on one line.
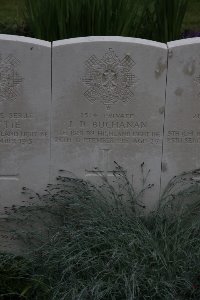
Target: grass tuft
[[101, 245]]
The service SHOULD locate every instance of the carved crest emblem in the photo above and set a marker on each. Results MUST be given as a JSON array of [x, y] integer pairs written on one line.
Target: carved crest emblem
[[109, 79], [10, 80]]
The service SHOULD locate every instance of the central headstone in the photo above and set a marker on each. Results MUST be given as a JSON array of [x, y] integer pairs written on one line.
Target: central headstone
[[108, 104]]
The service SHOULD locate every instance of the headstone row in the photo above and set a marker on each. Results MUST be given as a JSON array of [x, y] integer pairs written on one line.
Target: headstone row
[[83, 104]]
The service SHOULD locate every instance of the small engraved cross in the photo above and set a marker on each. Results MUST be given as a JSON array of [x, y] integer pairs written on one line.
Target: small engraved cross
[[9, 177], [104, 170]]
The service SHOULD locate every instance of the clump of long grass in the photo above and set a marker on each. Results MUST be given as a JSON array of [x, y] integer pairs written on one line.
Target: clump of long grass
[[105, 247], [160, 20], [59, 19], [169, 16], [18, 280]]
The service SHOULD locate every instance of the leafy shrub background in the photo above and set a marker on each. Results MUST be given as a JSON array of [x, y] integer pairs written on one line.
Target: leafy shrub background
[[153, 19], [14, 18]]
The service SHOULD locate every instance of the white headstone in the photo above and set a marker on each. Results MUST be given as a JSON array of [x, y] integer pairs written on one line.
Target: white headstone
[[25, 98], [108, 104], [181, 151]]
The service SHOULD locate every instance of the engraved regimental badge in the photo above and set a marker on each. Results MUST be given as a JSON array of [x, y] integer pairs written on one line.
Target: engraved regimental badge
[[109, 79], [10, 80]]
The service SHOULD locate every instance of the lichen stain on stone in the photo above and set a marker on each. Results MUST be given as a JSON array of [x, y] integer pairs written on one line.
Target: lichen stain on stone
[[189, 68], [162, 110], [170, 53], [161, 66], [164, 167], [179, 92]]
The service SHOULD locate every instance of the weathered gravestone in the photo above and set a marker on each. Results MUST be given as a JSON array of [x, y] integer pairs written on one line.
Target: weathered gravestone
[[25, 97], [108, 103], [181, 151]]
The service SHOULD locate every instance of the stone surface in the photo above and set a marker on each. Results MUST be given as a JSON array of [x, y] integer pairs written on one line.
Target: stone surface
[[25, 98], [182, 116], [108, 103]]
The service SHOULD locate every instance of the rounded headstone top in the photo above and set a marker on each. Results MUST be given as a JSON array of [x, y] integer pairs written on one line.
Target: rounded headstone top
[[121, 39]]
